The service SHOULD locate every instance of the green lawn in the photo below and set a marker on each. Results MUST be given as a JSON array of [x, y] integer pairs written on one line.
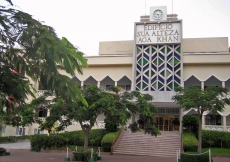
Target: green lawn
[[215, 151], [218, 151]]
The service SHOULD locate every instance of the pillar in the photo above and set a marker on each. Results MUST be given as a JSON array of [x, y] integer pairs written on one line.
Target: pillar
[[82, 83], [48, 112], [115, 83], [98, 84], [203, 121], [223, 84], [181, 118], [224, 123], [202, 85]]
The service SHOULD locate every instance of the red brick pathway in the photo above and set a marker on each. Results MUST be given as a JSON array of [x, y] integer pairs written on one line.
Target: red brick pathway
[[29, 156]]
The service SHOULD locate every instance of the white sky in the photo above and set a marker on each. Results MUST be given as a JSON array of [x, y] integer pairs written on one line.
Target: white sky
[[87, 22]]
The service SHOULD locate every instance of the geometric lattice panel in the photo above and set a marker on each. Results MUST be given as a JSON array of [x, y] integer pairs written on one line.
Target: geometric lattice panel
[[158, 67]]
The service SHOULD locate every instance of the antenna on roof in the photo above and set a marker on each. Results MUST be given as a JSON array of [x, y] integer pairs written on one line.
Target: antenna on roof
[[172, 6], [145, 7]]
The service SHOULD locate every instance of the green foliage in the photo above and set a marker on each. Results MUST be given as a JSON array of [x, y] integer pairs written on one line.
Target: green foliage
[[190, 142], [218, 151], [107, 141], [215, 139], [84, 156], [202, 99], [111, 126], [69, 138], [81, 156], [150, 129], [133, 127], [8, 139], [123, 107], [203, 157], [2, 151], [191, 123], [210, 99], [42, 55]]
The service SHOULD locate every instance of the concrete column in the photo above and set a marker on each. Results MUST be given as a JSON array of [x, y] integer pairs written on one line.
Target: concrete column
[[98, 84], [82, 83], [202, 85], [115, 83], [203, 121], [224, 123], [223, 84], [36, 85], [181, 118], [48, 112]]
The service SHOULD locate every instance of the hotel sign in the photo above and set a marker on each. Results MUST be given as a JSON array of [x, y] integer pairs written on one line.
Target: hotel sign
[[158, 33]]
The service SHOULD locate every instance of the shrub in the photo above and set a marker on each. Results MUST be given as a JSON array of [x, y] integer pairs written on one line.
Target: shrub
[[84, 156], [107, 141], [215, 139], [76, 138], [80, 156], [2, 151], [203, 157], [190, 142]]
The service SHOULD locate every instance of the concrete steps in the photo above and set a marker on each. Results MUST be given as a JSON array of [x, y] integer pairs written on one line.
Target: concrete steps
[[165, 145]]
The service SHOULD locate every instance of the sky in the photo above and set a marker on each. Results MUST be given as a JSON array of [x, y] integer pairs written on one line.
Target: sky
[[85, 23]]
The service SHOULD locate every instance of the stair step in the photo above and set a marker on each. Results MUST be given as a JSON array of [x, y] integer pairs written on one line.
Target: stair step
[[145, 144]]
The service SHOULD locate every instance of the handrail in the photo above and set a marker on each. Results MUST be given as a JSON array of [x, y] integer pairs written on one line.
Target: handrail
[[117, 139]]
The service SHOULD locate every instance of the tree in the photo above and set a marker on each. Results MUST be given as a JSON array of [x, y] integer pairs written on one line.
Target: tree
[[211, 99], [98, 103], [28, 46], [117, 108]]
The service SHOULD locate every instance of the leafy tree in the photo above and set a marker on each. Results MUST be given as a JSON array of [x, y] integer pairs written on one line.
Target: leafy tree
[[126, 104], [211, 99], [117, 108], [28, 45]]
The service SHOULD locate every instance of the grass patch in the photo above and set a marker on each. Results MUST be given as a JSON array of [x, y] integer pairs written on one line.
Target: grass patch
[[218, 151], [215, 151]]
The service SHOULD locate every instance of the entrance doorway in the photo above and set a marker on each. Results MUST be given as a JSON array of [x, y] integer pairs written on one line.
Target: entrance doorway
[[167, 123]]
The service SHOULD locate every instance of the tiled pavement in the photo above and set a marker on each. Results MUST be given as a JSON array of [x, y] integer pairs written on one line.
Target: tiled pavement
[[25, 155]]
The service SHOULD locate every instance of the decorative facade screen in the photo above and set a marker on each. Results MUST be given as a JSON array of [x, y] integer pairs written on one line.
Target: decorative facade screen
[[158, 67]]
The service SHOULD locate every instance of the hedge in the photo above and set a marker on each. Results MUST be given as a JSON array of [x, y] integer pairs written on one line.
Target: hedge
[[84, 156], [7, 139], [215, 139], [107, 141], [76, 138], [2, 151], [190, 142], [203, 157]]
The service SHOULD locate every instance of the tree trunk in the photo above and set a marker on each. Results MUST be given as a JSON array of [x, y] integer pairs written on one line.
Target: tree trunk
[[86, 139], [200, 134]]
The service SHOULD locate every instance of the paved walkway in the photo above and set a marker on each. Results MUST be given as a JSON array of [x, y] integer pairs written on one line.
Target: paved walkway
[[20, 152], [24, 155], [18, 145]]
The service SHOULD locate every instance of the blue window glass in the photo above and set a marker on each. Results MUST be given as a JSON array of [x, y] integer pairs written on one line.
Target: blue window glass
[[169, 80], [146, 56]]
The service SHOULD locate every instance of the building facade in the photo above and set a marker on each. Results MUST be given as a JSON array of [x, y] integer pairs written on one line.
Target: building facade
[[157, 61]]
